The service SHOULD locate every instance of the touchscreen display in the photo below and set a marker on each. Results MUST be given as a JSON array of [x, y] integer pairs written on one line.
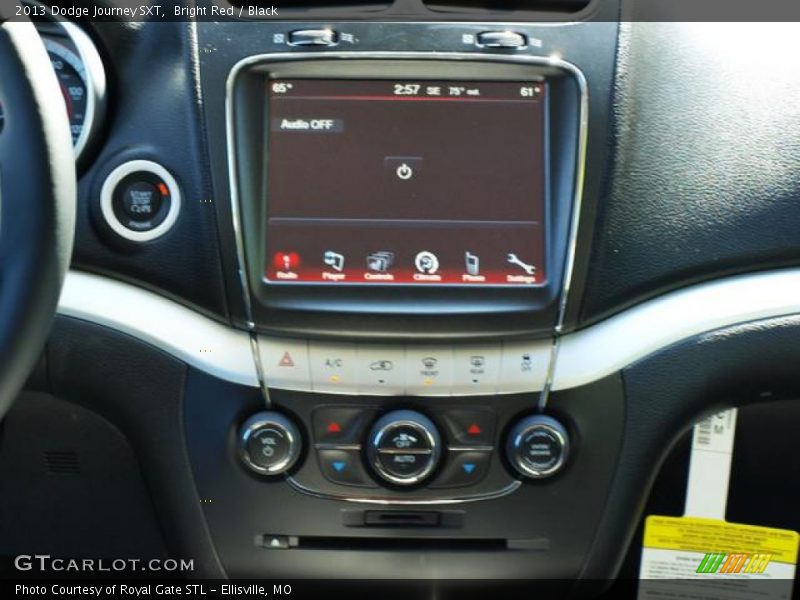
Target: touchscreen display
[[406, 182]]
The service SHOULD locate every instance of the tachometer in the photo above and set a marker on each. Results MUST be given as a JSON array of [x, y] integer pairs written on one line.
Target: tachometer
[[83, 84]]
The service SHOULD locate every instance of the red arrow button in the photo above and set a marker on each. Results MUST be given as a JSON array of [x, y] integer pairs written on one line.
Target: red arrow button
[[474, 429], [334, 428]]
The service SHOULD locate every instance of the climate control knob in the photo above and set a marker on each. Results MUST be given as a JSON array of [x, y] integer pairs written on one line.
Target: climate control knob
[[538, 446], [404, 447], [269, 443]]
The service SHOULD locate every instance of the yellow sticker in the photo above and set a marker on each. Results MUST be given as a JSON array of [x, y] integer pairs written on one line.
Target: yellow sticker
[[707, 559], [712, 536]]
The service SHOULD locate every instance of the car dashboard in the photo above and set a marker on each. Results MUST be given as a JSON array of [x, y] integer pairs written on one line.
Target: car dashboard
[[412, 290]]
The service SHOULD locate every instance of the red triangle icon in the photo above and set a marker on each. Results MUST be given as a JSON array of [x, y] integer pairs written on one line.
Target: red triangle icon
[[334, 428], [286, 361], [474, 429]]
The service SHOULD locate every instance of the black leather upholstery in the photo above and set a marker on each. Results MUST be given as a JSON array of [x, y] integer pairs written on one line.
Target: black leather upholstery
[[37, 202]]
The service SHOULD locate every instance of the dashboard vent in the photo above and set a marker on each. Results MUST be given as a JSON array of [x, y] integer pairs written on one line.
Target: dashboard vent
[[515, 8]]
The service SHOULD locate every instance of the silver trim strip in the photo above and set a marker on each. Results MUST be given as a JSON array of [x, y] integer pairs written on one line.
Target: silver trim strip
[[621, 340], [577, 198], [583, 357], [509, 489], [221, 351], [233, 186]]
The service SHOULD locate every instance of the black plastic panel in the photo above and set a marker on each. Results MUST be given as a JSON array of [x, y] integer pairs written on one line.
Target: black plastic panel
[[71, 485], [706, 171], [139, 389], [154, 115], [668, 391]]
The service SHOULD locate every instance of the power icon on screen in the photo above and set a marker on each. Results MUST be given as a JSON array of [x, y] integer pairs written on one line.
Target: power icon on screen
[[404, 171], [402, 168]]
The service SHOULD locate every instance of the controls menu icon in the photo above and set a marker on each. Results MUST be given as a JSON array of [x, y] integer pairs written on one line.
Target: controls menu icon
[[378, 265], [380, 261]]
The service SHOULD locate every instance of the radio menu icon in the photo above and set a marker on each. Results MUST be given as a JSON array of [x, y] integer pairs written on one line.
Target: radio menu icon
[[286, 264]]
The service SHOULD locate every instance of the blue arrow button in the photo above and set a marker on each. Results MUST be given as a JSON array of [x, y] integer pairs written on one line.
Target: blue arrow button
[[339, 465], [468, 467]]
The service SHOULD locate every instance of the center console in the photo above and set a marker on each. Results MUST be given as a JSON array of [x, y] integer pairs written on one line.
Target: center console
[[409, 184], [406, 201]]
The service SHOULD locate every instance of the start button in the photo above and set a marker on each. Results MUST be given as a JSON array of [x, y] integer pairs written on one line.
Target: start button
[[140, 200]]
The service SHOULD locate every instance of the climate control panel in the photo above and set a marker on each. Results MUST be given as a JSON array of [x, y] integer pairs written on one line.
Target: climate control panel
[[406, 450]]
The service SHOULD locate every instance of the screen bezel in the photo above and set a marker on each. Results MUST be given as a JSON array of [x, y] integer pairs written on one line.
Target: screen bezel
[[310, 307]]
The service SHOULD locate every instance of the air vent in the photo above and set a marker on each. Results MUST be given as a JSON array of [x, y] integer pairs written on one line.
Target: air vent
[[517, 8], [62, 462]]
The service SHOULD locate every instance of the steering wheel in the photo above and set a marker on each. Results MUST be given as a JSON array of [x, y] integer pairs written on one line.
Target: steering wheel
[[37, 201]]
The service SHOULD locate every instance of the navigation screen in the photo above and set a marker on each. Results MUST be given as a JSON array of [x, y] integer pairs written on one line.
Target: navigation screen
[[406, 182]]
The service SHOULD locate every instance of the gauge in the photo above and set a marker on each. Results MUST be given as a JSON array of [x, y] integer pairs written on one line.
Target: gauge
[[82, 79]]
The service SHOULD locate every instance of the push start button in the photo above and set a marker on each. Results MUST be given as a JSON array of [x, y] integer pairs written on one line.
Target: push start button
[[140, 200]]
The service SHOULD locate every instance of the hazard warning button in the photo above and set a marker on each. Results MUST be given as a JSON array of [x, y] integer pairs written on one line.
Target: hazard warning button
[[284, 362]]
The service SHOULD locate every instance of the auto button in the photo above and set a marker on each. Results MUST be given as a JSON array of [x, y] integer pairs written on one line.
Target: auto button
[[404, 447]]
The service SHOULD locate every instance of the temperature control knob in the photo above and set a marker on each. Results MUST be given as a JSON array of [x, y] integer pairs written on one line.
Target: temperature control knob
[[269, 443], [404, 447], [538, 446]]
